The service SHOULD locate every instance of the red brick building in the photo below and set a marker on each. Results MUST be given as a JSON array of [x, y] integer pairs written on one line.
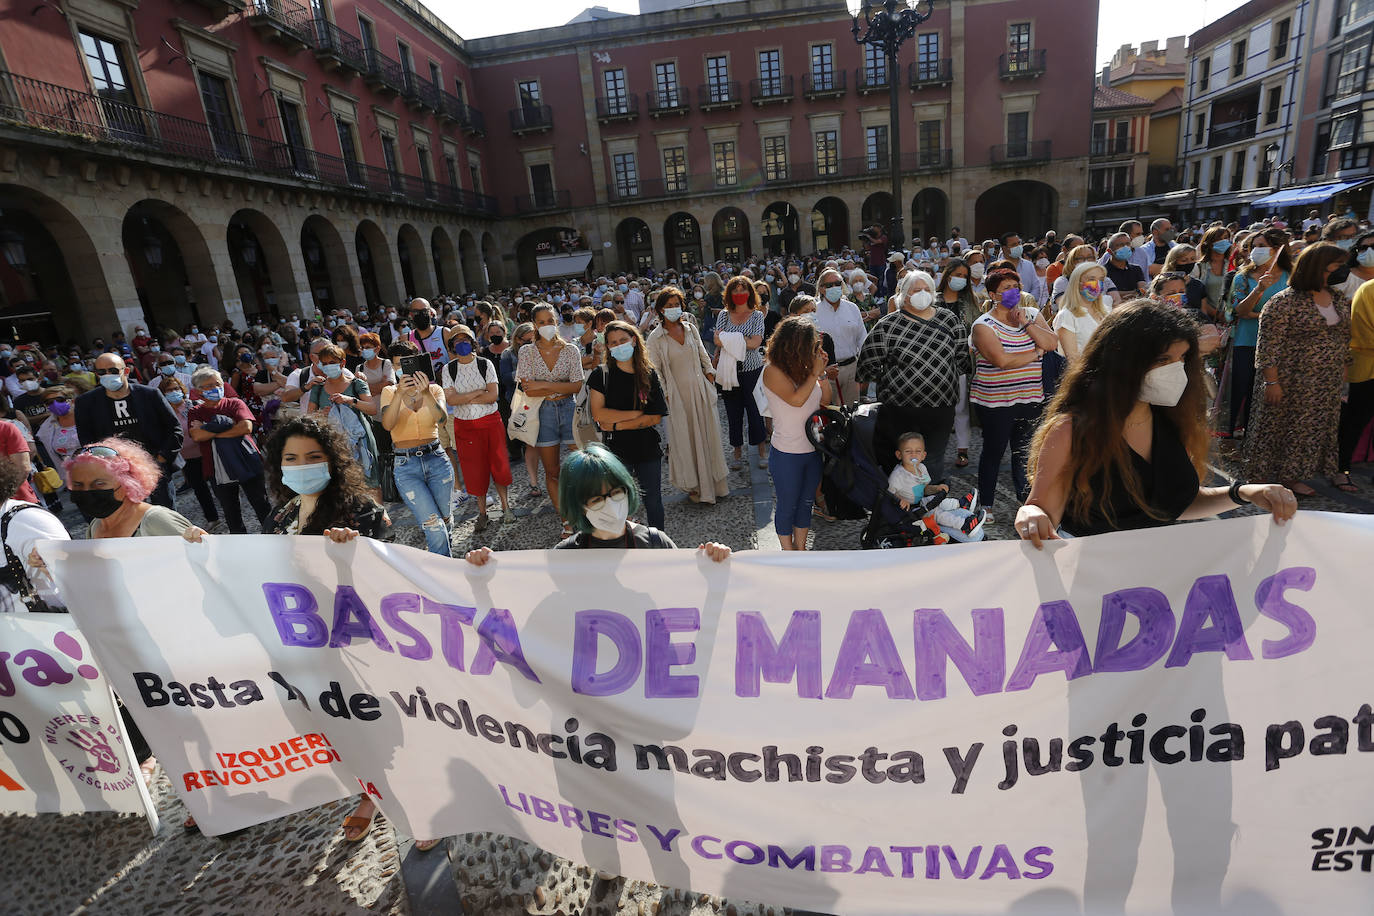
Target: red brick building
[[170, 161]]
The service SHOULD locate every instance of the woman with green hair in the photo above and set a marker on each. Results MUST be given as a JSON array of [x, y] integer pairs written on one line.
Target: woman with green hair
[[597, 495]]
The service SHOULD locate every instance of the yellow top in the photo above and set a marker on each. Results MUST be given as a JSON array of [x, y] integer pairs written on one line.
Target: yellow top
[[1362, 334], [410, 425]]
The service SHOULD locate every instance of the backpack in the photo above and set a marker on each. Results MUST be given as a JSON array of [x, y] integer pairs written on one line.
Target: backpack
[[13, 577], [451, 376]]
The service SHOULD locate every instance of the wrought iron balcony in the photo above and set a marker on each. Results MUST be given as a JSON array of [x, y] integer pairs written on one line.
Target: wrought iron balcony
[[866, 80], [420, 93], [1026, 64], [719, 96], [672, 102], [927, 160], [1233, 132], [926, 74], [825, 85], [282, 21], [766, 90], [543, 200], [1110, 146], [335, 49], [623, 107], [383, 73], [1022, 153], [531, 119]]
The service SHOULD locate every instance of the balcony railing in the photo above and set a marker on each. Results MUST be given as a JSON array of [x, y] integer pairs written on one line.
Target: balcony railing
[[825, 85], [383, 72], [866, 80], [1026, 151], [623, 107], [465, 116], [1110, 146], [1106, 195], [543, 200], [1220, 135], [675, 101], [927, 160], [57, 110], [337, 49], [768, 89], [718, 95], [928, 73], [1021, 64], [283, 21], [421, 93], [529, 119]]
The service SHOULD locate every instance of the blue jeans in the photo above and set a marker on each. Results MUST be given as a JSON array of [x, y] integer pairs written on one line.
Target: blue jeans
[[650, 477], [426, 485], [795, 478], [739, 403], [556, 423]]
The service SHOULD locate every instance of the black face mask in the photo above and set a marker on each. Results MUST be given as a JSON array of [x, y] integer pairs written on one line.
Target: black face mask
[[421, 320], [96, 503]]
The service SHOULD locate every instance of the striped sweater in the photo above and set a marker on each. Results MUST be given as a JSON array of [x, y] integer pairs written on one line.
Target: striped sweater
[[993, 387]]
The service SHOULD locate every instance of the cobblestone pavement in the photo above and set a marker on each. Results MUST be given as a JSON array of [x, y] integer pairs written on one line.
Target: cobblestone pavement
[[105, 864]]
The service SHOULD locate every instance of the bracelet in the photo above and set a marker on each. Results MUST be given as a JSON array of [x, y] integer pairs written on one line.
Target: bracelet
[[1234, 493], [1267, 383]]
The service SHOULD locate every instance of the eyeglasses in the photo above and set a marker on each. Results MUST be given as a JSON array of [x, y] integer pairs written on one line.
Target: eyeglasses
[[109, 371], [596, 502], [99, 451]]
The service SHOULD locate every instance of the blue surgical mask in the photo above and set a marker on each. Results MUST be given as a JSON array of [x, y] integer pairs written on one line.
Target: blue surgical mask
[[1221, 246], [271, 361], [463, 348], [958, 283], [175, 397], [1123, 253], [1015, 252], [167, 369], [179, 360], [1366, 257], [331, 370], [212, 394], [673, 313], [624, 287], [306, 479], [579, 329], [623, 351], [368, 353], [1345, 244], [833, 294], [112, 382]]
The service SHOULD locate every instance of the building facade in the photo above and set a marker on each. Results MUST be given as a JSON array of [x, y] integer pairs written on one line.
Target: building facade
[[177, 161]]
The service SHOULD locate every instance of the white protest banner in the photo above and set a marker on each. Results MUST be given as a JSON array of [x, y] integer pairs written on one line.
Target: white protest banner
[[62, 745], [1168, 720]]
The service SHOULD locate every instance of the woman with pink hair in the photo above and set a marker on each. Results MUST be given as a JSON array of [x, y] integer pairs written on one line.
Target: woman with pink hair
[[110, 481]]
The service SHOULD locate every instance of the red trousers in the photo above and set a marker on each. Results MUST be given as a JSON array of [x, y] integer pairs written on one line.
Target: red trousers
[[482, 455]]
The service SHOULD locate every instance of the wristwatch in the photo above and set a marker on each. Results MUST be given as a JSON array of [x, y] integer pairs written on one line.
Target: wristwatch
[[1234, 493]]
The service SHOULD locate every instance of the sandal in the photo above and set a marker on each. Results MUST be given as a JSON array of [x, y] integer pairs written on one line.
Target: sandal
[[962, 460], [535, 493], [1347, 486], [1300, 489], [426, 845], [361, 824]]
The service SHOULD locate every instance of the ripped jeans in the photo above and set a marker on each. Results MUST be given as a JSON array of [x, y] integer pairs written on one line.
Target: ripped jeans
[[426, 485]]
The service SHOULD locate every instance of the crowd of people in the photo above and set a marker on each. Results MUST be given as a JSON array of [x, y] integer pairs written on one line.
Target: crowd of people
[[1106, 366]]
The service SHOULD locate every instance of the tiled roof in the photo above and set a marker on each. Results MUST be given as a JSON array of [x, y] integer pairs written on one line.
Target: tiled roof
[[1105, 98], [1169, 101]]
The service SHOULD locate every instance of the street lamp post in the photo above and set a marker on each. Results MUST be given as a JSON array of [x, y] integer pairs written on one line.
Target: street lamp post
[[894, 22]]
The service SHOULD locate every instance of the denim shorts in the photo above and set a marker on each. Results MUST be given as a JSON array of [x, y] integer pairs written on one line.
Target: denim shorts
[[556, 422]]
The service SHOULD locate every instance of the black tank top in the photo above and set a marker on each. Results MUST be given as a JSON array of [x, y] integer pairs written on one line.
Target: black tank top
[[1168, 485]]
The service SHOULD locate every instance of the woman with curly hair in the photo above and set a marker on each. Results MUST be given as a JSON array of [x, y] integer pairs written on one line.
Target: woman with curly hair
[[739, 331], [794, 383], [346, 339], [318, 487]]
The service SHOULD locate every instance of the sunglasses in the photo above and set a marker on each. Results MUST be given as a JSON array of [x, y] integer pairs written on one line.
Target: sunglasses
[[99, 451], [110, 371]]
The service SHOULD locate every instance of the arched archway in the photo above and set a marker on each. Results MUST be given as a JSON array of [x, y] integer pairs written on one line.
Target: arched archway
[[326, 265], [1025, 206], [682, 240], [491, 263], [546, 241], [730, 234], [829, 224], [473, 278], [262, 266], [375, 265], [41, 296], [929, 214], [446, 273], [414, 258], [162, 278], [878, 209], [635, 245], [781, 229]]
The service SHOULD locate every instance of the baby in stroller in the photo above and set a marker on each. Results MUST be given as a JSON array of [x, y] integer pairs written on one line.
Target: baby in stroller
[[928, 506]]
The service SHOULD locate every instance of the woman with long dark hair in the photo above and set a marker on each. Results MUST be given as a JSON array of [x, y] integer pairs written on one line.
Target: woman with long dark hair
[[794, 383], [740, 317], [316, 484], [1124, 443], [627, 401]]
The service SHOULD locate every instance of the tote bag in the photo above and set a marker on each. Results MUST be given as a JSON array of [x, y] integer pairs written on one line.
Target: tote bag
[[524, 417]]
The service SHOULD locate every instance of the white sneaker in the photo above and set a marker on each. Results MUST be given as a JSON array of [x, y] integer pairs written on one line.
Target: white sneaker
[[491, 499]]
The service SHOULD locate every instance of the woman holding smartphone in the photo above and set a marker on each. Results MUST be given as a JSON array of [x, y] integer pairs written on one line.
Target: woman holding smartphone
[[412, 411]]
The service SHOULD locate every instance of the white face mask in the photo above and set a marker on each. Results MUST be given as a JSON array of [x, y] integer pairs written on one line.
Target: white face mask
[[1259, 255], [610, 517], [978, 270], [1042, 263], [548, 331], [1165, 385], [921, 300]]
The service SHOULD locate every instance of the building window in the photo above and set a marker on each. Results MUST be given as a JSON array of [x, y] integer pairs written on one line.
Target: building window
[[348, 151], [1237, 170], [1098, 146], [541, 181], [426, 174], [1281, 38], [827, 152], [367, 34], [1204, 73], [475, 176], [928, 56], [1214, 183], [1321, 152], [616, 100], [876, 149], [435, 75], [723, 160], [770, 73], [675, 169], [1238, 59], [875, 66], [1350, 76], [219, 114], [1018, 46], [626, 174], [1200, 129], [294, 135], [451, 170], [929, 142], [1357, 158], [718, 78], [665, 83], [389, 160], [1197, 175], [403, 52], [1018, 134], [459, 92], [1272, 104], [529, 95], [105, 61], [822, 67], [775, 158], [1343, 127]]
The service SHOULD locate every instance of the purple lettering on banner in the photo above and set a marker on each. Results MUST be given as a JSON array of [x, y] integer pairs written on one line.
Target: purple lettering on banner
[[1156, 619], [874, 860], [452, 618], [588, 628], [983, 665], [867, 637], [393, 606], [1054, 625], [835, 858], [757, 655], [699, 846], [661, 654], [1302, 629], [45, 669], [353, 620], [500, 643], [1210, 598], [293, 609]]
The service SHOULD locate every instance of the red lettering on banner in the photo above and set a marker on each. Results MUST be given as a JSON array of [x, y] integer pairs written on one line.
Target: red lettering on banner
[[8, 784], [246, 767]]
